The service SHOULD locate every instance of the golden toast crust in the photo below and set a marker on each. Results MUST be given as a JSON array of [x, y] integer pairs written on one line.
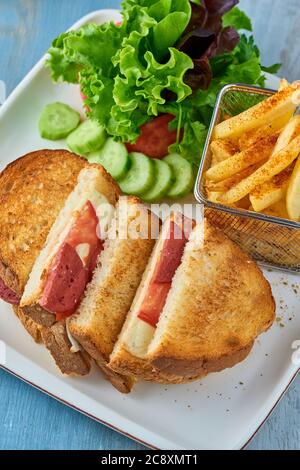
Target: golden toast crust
[[57, 342], [121, 382], [221, 304], [174, 370], [222, 307], [109, 298]]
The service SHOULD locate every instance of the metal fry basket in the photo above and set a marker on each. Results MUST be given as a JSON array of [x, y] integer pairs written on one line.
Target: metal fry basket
[[272, 241]]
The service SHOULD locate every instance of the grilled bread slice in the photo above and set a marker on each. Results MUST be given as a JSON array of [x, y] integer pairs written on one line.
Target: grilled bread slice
[[30, 326], [33, 189], [94, 185], [108, 298], [218, 304], [56, 340]]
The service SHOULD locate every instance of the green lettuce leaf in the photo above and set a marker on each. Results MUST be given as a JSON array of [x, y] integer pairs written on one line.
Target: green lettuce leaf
[[272, 68], [143, 89], [237, 19], [126, 83], [170, 27], [241, 65], [92, 46], [133, 72]]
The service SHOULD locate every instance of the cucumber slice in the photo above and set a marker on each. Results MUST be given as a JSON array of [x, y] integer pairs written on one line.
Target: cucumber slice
[[163, 178], [57, 121], [113, 156], [183, 175], [88, 137], [140, 176]]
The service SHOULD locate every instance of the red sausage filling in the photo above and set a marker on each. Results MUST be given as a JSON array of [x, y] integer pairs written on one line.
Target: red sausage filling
[[7, 294], [166, 266], [69, 273]]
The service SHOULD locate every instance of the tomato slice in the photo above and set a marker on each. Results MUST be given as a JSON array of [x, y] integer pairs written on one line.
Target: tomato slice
[[171, 254], [154, 303], [155, 137], [166, 266]]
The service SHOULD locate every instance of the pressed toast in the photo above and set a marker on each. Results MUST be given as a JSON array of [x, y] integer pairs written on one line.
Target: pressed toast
[[33, 189], [218, 304], [93, 184], [108, 298]]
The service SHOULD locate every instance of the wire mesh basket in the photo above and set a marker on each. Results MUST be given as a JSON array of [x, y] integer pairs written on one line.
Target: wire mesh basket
[[272, 241]]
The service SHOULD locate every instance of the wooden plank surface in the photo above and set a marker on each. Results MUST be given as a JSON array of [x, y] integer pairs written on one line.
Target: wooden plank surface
[[276, 30], [29, 419]]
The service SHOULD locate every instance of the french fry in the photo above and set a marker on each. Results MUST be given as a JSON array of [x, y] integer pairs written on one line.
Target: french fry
[[213, 196], [291, 130], [214, 161], [233, 165], [222, 149], [272, 191], [251, 137], [293, 194], [225, 185], [283, 84], [277, 210], [272, 167], [277, 105]]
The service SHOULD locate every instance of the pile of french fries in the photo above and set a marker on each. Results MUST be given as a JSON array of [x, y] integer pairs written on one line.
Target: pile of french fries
[[255, 157]]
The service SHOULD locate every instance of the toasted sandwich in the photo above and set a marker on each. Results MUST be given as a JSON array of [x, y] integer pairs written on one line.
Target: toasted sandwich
[[33, 189], [201, 304], [101, 314], [66, 263]]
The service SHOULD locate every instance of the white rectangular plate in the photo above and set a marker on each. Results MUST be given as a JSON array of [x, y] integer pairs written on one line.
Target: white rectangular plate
[[221, 412]]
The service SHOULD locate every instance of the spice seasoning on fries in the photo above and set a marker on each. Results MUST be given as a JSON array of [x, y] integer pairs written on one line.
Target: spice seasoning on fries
[[255, 157]]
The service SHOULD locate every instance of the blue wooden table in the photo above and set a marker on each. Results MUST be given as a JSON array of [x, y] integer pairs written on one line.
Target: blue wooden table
[[29, 419]]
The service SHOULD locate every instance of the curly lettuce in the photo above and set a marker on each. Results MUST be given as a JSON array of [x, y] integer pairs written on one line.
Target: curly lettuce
[[125, 71], [167, 56]]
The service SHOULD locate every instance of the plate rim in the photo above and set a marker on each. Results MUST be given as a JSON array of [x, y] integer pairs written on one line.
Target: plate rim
[[239, 446], [77, 409], [128, 434]]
